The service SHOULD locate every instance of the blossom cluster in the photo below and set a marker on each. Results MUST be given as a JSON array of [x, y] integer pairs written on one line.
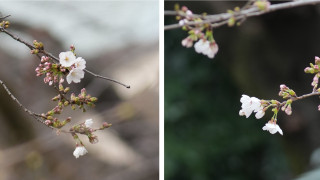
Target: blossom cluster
[[76, 65], [201, 34], [69, 66], [85, 129], [253, 104]]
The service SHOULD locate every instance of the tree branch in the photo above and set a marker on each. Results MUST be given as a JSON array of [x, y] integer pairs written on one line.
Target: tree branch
[[222, 19], [301, 97], [31, 47], [33, 114]]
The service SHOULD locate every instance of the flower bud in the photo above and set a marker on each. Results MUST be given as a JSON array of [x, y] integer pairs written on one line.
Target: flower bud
[[66, 90], [56, 98], [93, 139], [61, 87], [106, 125], [66, 103], [93, 99]]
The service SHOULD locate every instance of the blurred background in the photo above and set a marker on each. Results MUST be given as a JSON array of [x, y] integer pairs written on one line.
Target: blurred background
[[118, 40], [205, 138]]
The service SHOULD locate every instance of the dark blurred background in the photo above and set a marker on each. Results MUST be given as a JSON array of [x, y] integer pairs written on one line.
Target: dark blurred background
[[118, 40], [205, 138]]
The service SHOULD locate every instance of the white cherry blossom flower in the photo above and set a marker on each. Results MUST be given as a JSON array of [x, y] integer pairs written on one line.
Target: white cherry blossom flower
[[88, 123], [206, 48], [67, 58], [75, 75], [249, 105], [201, 46], [80, 63], [80, 151], [272, 127]]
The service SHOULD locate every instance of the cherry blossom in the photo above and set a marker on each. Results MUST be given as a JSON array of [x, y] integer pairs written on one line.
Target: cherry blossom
[[272, 127], [206, 48], [80, 63], [75, 75], [88, 123], [249, 105], [187, 42], [67, 58], [80, 151]]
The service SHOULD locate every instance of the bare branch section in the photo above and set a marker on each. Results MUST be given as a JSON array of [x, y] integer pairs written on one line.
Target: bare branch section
[[33, 114], [31, 47], [222, 19]]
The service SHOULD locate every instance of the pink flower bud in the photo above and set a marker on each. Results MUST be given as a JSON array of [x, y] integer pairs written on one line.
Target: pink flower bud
[[47, 122], [106, 125], [283, 86], [184, 8]]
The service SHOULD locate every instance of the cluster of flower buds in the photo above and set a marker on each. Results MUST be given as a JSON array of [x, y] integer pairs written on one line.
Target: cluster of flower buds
[[85, 128], [286, 92], [252, 104], [82, 99], [53, 72], [5, 24], [232, 19], [38, 46], [185, 15], [314, 69]]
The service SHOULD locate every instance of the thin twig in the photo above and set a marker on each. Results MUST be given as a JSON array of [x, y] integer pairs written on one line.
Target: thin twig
[[31, 47], [245, 13], [34, 115], [301, 97], [2, 18]]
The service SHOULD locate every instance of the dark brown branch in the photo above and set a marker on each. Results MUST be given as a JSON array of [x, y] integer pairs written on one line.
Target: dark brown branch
[[31, 47], [243, 14]]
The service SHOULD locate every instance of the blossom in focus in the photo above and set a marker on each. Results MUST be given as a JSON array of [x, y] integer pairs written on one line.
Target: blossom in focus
[[67, 58], [88, 123], [206, 48], [80, 63], [75, 75], [272, 127], [249, 105], [80, 151]]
